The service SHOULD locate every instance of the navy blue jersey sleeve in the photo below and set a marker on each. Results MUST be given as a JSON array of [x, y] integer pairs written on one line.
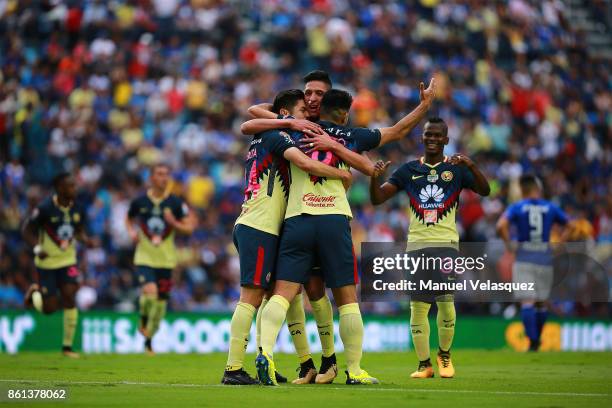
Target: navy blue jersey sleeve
[[277, 143], [366, 139], [467, 179], [400, 177], [179, 208], [39, 215]]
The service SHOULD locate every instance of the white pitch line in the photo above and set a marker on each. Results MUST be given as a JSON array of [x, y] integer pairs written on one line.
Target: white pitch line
[[354, 388]]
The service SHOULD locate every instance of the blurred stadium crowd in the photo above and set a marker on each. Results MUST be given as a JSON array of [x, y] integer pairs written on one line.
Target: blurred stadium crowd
[[106, 88]]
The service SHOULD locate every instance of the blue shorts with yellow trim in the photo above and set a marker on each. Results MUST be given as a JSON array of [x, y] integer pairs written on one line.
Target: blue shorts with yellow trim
[[308, 241], [257, 251]]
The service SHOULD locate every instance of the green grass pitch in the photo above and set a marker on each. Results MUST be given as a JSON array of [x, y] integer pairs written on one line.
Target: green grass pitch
[[484, 378]]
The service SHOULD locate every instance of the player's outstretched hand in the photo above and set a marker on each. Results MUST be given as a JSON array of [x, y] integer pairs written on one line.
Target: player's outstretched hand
[[461, 159], [380, 168], [317, 141], [429, 94], [303, 125]]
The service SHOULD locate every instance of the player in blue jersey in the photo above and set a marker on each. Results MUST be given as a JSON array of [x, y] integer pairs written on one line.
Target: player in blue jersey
[[532, 219]]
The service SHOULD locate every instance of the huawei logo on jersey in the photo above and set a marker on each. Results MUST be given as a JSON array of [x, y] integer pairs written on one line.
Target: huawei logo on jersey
[[430, 205], [313, 200], [431, 191]]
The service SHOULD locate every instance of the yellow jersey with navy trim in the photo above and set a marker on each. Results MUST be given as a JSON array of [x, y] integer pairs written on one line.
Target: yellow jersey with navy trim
[[319, 195], [155, 246], [267, 182], [56, 233], [433, 191]]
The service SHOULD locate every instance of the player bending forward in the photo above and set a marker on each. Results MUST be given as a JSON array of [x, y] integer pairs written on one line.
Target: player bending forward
[[433, 179]]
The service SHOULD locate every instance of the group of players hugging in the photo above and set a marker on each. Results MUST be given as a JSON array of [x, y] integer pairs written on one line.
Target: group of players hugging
[[293, 235]]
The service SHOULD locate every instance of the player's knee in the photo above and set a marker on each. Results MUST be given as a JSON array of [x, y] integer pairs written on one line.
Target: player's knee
[[69, 303], [287, 289], [49, 305], [345, 295], [252, 295], [149, 289], [315, 290]]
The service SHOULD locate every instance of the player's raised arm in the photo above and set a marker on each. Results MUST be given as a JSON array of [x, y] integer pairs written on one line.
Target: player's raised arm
[[481, 184], [254, 126], [322, 141], [278, 117], [408, 122], [262, 111], [379, 193], [316, 168]]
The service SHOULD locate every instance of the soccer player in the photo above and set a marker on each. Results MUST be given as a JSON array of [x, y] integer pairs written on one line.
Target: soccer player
[[316, 83], [532, 219], [317, 224], [51, 230], [258, 226], [152, 221], [433, 184]]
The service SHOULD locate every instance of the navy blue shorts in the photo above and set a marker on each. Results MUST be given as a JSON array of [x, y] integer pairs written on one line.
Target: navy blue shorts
[[257, 251], [50, 280], [308, 240], [162, 277]]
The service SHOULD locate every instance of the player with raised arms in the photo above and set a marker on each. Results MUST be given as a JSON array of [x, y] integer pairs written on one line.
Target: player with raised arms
[[317, 225], [433, 184], [316, 83], [257, 229], [529, 222], [52, 229], [152, 222]]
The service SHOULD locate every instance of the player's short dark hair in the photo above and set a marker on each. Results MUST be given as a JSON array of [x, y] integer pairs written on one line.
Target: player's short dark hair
[[336, 100], [435, 120], [318, 75], [529, 181], [287, 99], [158, 165], [59, 179]]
